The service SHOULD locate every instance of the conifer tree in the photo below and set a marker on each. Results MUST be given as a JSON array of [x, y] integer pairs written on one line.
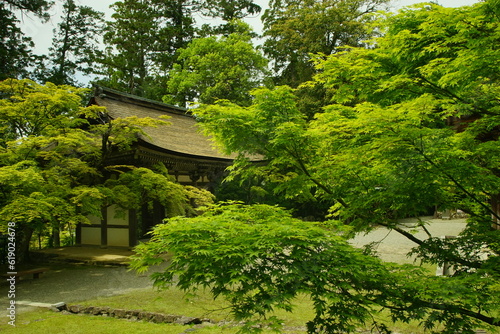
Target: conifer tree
[[141, 41], [74, 45], [15, 47]]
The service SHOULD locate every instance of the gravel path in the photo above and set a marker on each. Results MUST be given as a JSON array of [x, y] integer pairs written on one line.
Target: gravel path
[[74, 283], [393, 247]]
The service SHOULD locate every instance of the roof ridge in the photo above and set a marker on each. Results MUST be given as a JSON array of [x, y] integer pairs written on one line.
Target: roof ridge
[[106, 92]]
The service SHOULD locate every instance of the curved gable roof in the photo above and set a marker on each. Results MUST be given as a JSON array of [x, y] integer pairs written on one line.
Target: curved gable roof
[[181, 136]]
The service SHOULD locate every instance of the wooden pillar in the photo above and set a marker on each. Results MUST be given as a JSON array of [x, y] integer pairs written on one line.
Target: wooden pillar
[[104, 228], [214, 176], [194, 176], [132, 228], [158, 213], [78, 232]]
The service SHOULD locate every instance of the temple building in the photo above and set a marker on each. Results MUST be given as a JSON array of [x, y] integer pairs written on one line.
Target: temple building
[[188, 155]]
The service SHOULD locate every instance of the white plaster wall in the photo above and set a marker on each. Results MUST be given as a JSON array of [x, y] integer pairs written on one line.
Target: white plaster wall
[[184, 179], [94, 219], [91, 235], [118, 237], [121, 220]]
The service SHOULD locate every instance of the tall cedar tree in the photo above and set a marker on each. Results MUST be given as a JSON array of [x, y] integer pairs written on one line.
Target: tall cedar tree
[[141, 44], [15, 48], [74, 45]]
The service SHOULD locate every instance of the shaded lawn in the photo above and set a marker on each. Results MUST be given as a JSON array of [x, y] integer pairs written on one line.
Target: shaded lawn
[[45, 321], [171, 301]]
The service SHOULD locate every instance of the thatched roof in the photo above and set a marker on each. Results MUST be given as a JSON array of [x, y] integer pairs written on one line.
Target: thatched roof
[[182, 136]]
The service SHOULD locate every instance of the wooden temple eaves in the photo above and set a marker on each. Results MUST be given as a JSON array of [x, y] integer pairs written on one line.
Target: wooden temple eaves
[[189, 155]]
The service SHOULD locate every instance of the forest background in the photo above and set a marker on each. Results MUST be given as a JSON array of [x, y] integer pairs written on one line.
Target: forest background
[[41, 32]]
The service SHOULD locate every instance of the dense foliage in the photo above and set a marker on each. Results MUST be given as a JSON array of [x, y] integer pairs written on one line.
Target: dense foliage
[[397, 132], [260, 259], [412, 124], [15, 48], [296, 29], [146, 41], [53, 170], [212, 68]]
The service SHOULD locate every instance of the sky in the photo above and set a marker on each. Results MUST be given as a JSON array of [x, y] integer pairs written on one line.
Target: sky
[[41, 33]]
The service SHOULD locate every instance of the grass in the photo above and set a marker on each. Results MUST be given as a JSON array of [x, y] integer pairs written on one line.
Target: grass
[[44, 321], [174, 301], [171, 301]]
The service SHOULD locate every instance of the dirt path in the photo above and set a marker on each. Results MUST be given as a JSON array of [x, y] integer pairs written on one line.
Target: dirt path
[[75, 283]]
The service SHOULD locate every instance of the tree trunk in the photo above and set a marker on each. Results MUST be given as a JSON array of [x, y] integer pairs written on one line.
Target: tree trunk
[[56, 236], [495, 206], [23, 238]]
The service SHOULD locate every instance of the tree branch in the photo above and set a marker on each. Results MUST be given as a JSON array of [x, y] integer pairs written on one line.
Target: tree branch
[[404, 233], [459, 186], [456, 309], [446, 307], [305, 170]]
